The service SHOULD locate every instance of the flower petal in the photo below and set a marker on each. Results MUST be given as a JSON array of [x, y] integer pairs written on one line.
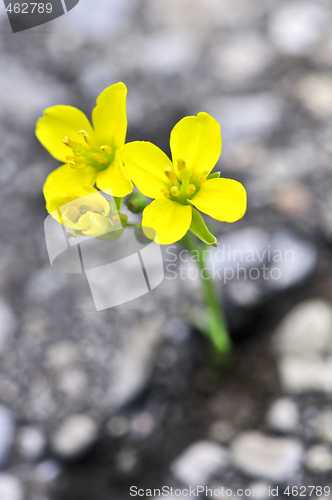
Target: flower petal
[[89, 197], [145, 164], [222, 199], [197, 141], [109, 117], [114, 180], [169, 219], [61, 121], [95, 224], [61, 180]]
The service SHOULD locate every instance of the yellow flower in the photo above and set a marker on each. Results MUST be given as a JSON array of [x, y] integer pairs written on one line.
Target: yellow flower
[[93, 151], [81, 208], [183, 183]]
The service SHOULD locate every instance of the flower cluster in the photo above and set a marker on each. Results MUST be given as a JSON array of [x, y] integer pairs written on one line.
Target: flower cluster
[[96, 160]]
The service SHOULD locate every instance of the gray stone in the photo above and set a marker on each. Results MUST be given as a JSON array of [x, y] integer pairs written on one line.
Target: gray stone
[[231, 61], [297, 261], [135, 362], [247, 247], [246, 292], [168, 52], [260, 489], [305, 373], [72, 382], [199, 462], [75, 436], [6, 433], [318, 459], [246, 115], [8, 324], [39, 92], [307, 329], [142, 425], [10, 487], [296, 26], [44, 284], [222, 431], [96, 78], [315, 92], [326, 214], [325, 426], [276, 459], [118, 426], [47, 471], [31, 442], [61, 354], [127, 461], [283, 415], [105, 19]]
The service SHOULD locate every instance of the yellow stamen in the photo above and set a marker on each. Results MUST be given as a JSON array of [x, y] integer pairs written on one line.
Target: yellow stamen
[[70, 142], [106, 149], [86, 137], [185, 174], [174, 191], [77, 163], [71, 157], [85, 208], [191, 189], [165, 192], [181, 164], [72, 214], [204, 176], [170, 175], [99, 159]]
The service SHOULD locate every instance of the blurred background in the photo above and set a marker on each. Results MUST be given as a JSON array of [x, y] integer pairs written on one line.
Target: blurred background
[[93, 403]]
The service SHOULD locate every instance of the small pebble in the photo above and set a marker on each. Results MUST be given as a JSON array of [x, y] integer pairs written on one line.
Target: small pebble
[[318, 459]]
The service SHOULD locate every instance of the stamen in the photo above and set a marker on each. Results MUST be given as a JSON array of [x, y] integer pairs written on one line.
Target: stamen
[[174, 191], [106, 149], [191, 189], [85, 208], [165, 192], [181, 164], [70, 142], [86, 137], [203, 177], [170, 175], [99, 159], [72, 213], [71, 157], [185, 174], [77, 164]]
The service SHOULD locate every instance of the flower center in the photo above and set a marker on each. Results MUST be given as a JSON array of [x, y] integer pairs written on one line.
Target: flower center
[[85, 154], [184, 187]]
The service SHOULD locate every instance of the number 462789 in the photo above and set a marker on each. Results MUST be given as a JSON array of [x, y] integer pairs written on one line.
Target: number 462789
[[29, 8]]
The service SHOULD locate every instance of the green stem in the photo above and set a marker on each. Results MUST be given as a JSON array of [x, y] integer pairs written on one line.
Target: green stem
[[118, 203], [132, 224], [215, 327]]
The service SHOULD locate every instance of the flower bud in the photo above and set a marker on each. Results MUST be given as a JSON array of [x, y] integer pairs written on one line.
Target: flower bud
[[123, 219], [136, 203]]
